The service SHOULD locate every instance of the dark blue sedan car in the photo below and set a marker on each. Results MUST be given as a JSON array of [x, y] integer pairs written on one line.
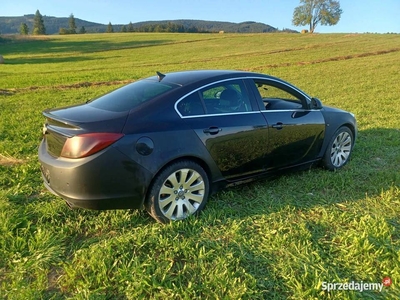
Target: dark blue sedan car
[[167, 142]]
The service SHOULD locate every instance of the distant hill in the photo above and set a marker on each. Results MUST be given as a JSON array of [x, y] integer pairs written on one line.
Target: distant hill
[[11, 25], [213, 26]]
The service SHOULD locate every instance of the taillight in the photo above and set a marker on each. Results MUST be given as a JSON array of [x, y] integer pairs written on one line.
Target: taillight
[[87, 144]]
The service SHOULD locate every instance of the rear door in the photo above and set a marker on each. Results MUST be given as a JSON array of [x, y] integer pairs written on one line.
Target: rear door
[[295, 132], [229, 124]]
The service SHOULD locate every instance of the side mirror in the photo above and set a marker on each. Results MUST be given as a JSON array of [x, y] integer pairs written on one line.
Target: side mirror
[[316, 103]]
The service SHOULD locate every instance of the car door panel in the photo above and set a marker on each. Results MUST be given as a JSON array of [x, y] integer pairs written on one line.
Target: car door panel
[[295, 132], [295, 137], [236, 142]]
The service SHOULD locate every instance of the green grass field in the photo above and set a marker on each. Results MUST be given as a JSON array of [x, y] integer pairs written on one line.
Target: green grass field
[[272, 239]]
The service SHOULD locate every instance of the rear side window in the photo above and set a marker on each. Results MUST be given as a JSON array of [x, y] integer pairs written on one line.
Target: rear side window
[[131, 95], [224, 97], [191, 105]]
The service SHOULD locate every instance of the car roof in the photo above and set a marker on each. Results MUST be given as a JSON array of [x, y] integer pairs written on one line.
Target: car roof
[[187, 77]]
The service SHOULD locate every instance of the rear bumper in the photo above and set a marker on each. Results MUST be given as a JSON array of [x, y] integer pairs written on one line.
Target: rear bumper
[[105, 180]]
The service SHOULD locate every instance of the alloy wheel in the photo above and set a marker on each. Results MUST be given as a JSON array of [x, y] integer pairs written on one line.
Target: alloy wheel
[[181, 194], [341, 149]]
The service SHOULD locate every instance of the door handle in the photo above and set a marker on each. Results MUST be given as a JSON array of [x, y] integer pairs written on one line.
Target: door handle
[[212, 130], [278, 126]]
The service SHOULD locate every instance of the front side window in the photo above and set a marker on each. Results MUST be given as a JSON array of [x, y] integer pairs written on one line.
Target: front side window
[[276, 97], [131, 95]]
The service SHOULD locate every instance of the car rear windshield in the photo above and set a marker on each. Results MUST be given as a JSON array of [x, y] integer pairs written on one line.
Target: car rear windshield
[[131, 95]]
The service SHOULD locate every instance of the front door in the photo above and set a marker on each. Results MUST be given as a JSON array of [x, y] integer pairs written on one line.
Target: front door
[[235, 134], [295, 132]]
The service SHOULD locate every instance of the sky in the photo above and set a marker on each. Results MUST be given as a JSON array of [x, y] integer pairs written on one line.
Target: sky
[[380, 16]]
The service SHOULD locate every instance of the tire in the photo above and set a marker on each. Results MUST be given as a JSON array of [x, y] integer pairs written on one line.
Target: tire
[[177, 192], [339, 149]]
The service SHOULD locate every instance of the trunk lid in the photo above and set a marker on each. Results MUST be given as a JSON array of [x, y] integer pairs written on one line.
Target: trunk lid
[[66, 122]]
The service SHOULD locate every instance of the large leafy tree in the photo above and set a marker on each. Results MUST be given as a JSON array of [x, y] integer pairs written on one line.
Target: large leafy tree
[[38, 24], [313, 12]]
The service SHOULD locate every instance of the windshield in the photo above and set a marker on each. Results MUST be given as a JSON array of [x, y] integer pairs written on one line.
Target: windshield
[[131, 95]]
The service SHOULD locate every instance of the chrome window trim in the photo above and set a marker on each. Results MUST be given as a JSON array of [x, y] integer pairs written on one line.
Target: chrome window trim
[[222, 114], [284, 110], [245, 112], [202, 87]]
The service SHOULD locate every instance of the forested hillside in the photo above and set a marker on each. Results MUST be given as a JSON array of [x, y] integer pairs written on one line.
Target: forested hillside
[[11, 25]]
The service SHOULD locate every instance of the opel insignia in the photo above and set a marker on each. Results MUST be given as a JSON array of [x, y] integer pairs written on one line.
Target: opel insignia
[[168, 141]]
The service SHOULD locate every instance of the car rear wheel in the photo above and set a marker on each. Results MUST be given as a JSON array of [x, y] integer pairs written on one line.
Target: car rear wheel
[[178, 191], [339, 149]]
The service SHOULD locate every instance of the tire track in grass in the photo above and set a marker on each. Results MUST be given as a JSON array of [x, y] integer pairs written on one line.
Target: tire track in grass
[[248, 54], [325, 60], [277, 51], [202, 60], [10, 92], [215, 58]]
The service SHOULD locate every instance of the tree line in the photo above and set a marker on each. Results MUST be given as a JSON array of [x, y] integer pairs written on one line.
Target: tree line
[[72, 27], [311, 12], [38, 26], [162, 27], [40, 29]]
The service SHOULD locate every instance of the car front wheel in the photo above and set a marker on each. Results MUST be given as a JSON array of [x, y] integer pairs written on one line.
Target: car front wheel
[[339, 149], [178, 191]]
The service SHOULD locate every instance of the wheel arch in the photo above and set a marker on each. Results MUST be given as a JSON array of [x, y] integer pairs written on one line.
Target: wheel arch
[[326, 159], [201, 162], [331, 130], [353, 130]]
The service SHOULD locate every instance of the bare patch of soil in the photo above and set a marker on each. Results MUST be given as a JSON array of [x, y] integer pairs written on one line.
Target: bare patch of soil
[[9, 161]]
